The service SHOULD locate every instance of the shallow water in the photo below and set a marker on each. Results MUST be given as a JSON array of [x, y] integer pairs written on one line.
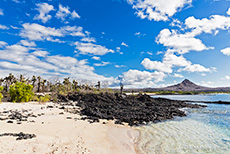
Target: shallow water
[[202, 131]]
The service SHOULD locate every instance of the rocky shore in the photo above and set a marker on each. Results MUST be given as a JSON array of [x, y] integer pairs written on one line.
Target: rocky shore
[[134, 110]]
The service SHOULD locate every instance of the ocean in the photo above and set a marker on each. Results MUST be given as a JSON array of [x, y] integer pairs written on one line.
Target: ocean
[[202, 131]]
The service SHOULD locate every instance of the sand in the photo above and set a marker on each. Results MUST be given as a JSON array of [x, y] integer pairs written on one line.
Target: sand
[[59, 135]]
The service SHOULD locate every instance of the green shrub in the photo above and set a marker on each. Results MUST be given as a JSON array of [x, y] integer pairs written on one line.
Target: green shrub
[[45, 98], [1, 96], [21, 92], [35, 98]]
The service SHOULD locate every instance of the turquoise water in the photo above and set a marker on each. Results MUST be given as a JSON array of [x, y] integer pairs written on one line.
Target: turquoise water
[[203, 131]]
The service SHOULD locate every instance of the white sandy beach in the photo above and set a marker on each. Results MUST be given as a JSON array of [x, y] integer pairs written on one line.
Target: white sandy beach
[[57, 134]]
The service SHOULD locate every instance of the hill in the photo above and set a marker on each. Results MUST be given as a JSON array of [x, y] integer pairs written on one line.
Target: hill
[[187, 85]]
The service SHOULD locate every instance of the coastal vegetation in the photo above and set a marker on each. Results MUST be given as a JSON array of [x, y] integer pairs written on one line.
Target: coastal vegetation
[[21, 89], [1, 96], [36, 88]]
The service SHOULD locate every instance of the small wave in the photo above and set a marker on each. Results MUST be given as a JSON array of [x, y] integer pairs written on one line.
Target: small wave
[[182, 137]]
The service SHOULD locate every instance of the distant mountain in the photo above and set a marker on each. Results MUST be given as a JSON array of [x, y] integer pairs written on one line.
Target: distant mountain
[[187, 85]]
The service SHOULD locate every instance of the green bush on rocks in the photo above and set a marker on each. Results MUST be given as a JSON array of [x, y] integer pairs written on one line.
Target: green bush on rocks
[[21, 92], [1, 96]]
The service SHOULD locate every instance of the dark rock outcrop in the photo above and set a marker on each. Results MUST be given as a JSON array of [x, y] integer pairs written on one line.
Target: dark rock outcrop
[[134, 110], [20, 136]]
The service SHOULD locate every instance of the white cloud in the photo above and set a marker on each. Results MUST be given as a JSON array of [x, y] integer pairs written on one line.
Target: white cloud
[[101, 64], [2, 44], [18, 1], [40, 53], [39, 33], [158, 9], [63, 12], [178, 75], [170, 60], [139, 34], [20, 59], [136, 78], [90, 48], [156, 65], [149, 53], [96, 58], [27, 43], [227, 77], [1, 12], [226, 51], [119, 66], [228, 12], [213, 24], [3, 27], [43, 9], [196, 68], [181, 43], [124, 44], [88, 39], [203, 74], [73, 31], [74, 15]]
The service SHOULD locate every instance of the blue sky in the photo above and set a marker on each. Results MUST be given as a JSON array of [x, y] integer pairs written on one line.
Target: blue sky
[[141, 43]]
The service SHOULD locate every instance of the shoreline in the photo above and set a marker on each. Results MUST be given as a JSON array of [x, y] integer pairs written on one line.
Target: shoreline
[[63, 133]]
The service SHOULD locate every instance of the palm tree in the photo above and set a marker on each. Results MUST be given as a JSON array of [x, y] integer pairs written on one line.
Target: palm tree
[[43, 85], [34, 79], [39, 83], [66, 83], [21, 78], [75, 85], [1, 81]]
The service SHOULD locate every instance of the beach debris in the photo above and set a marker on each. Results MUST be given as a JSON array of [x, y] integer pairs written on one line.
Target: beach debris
[[16, 115], [20, 136]]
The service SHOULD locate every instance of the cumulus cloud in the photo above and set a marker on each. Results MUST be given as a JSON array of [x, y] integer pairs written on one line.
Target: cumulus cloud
[[40, 53], [21, 59], [139, 34], [171, 60], [39, 33], [119, 66], [208, 25], [3, 27], [73, 31], [96, 58], [196, 68], [3, 44], [1, 12], [101, 64], [18, 1], [226, 51], [64, 12], [158, 9], [27, 43], [178, 75], [43, 9], [227, 77], [156, 65], [90, 48], [135, 78], [181, 43], [88, 39], [228, 12], [124, 44], [74, 15]]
